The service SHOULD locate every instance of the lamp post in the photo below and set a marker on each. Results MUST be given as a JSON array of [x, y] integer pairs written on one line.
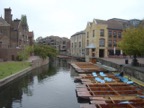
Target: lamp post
[[114, 50]]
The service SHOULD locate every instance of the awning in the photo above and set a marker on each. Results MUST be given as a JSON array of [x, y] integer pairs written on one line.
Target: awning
[[91, 46]]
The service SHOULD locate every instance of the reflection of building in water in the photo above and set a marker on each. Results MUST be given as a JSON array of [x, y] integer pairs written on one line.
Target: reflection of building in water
[[73, 72], [60, 62]]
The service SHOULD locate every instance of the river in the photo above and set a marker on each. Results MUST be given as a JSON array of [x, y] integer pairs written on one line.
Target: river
[[50, 86]]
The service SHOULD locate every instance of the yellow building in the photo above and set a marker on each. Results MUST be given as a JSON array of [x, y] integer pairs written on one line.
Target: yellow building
[[96, 39]]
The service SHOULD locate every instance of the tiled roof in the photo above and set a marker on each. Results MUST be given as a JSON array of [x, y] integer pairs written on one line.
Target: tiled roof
[[120, 20], [98, 21], [77, 33], [3, 22], [113, 24]]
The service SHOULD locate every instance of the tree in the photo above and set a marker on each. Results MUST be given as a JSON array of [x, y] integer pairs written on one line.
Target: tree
[[40, 50], [24, 22], [44, 51], [132, 42], [24, 54]]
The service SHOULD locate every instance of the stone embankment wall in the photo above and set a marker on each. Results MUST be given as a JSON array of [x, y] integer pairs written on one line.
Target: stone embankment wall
[[34, 64], [39, 62], [129, 70]]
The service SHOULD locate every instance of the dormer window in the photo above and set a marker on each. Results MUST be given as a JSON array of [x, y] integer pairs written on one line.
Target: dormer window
[[101, 32]]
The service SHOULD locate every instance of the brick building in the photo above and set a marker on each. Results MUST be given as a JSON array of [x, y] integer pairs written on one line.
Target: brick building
[[14, 35]]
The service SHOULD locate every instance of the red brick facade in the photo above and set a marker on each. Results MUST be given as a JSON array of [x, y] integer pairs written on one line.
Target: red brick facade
[[13, 34]]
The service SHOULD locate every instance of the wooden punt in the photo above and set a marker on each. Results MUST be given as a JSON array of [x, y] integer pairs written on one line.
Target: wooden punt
[[87, 105], [92, 90], [114, 94], [86, 67], [92, 79], [102, 104]]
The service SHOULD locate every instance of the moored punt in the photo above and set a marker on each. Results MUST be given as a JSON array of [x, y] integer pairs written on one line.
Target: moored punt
[[102, 77], [87, 106], [106, 95], [88, 78], [86, 67], [103, 89], [118, 104], [110, 90]]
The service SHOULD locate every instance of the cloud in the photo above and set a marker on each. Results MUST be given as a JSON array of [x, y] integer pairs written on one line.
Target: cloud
[[65, 17]]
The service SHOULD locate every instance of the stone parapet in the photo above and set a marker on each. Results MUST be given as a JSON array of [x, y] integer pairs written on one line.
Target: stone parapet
[[131, 71]]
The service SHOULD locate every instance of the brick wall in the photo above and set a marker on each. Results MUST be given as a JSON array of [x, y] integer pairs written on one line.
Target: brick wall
[[8, 54]]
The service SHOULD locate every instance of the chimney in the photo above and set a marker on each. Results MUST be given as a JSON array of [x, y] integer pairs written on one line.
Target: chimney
[[8, 15]]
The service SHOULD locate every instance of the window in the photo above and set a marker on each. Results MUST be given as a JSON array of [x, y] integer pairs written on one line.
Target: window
[[102, 42], [75, 45], [114, 43], [79, 44], [72, 45], [64, 47], [114, 34], [110, 43], [87, 42], [93, 52], [87, 51], [119, 34], [101, 32], [87, 34], [93, 33], [0, 44], [110, 34], [64, 42]]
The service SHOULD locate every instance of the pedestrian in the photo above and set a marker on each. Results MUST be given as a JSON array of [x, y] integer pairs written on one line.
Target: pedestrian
[[126, 60]]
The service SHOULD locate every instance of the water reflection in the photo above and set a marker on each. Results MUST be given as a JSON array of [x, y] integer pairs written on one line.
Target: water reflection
[[49, 86]]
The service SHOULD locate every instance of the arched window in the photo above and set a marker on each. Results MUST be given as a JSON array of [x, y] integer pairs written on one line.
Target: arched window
[[102, 42]]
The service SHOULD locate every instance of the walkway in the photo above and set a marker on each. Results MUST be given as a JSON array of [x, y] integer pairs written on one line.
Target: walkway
[[31, 58]]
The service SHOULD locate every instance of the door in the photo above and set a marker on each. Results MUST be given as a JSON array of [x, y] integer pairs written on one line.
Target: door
[[101, 52]]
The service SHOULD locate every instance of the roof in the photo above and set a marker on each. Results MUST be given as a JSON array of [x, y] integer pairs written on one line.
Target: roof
[[114, 24], [3, 22], [77, 33], [98, 21], [120, 20]]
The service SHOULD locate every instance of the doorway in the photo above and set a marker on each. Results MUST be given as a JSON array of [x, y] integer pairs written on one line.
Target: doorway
[[101, 52]]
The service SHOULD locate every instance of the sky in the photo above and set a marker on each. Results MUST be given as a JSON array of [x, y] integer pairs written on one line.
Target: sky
[[64, 18]]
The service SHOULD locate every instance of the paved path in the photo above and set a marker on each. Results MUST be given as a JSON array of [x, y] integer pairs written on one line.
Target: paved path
[[31, 58]]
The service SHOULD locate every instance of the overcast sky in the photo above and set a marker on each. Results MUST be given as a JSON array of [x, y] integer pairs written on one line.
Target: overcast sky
[[65, 17]]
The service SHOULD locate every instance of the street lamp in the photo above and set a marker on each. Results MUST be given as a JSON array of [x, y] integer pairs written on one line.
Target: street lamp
[[114, 50]]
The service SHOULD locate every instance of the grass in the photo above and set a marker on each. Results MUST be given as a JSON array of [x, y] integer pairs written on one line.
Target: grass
[[9, 68]]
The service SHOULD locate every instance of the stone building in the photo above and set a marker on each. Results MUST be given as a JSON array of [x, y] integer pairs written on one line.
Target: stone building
[[78, 44], [4, 34], [61, 44], [31, 38], [96, 39], [101, 38]]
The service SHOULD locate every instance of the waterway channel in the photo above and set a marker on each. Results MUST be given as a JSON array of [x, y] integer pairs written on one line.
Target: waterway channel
[[50, 86]]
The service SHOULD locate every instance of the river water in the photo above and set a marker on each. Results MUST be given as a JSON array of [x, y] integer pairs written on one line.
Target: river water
[[50, 86]]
